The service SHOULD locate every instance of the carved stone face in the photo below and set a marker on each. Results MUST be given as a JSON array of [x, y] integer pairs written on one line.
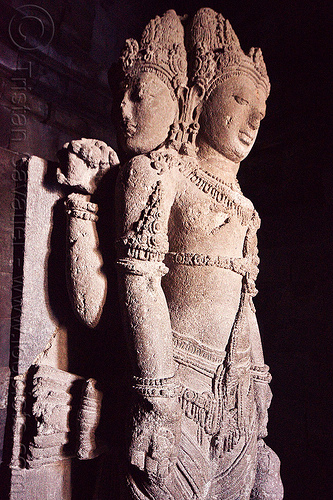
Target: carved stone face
[[147, 112], [231, 116]]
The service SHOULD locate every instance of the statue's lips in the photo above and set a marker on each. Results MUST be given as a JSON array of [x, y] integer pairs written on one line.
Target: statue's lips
[[129, 129], [245, 138]]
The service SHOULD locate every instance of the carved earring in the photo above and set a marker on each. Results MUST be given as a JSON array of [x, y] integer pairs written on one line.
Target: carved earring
[[189, 123]]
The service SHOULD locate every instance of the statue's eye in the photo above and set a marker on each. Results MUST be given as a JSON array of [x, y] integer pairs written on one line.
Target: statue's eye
[[240, 100]]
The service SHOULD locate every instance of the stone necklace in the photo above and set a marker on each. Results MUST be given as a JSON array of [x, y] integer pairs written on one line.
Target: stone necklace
[[227, 194]]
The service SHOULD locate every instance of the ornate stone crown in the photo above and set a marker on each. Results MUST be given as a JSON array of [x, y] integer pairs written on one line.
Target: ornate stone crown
[[161, 51], [216, 54]]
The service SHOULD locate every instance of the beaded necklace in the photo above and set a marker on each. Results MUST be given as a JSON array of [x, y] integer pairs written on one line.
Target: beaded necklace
[[229, 195]]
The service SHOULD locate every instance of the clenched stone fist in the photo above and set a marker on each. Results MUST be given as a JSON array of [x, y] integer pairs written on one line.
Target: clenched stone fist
[[83, 163]]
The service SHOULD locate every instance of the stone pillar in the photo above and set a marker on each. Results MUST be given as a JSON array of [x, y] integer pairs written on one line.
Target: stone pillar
[[37, 337], [51, 414]]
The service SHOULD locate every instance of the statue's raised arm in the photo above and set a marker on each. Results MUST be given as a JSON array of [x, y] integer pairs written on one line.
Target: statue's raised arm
[[84, 163]]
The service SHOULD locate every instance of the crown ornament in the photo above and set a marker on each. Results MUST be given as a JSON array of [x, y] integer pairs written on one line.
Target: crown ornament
[[161, 51], [216, 54]]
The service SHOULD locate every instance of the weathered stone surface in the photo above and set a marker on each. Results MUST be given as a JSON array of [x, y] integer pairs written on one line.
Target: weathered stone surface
[[38, 322], [4, 385], [7, 194], [52, 481], [187, 259], [267, 485], [55, 416]]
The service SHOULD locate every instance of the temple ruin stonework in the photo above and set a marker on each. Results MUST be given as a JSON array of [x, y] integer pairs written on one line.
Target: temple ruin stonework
[[156, 246]]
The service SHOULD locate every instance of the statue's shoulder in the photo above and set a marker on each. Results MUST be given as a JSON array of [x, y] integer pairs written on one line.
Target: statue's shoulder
[[146, 169], [138, 168]]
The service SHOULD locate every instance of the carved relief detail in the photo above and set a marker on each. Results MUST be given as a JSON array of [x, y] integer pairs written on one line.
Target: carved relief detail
[[147, 241], [52, 398], [88, 419], [216, 53], [230, 197], [18, 455], [233, 387], [161, 50], [48, 432]]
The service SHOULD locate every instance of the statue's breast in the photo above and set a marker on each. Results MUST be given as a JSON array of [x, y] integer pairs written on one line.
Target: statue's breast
[[200, 223]]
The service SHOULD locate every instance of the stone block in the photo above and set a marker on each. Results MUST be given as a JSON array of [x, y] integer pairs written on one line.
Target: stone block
[[4, 383], [32, 483], [7, 193], [37, 321]]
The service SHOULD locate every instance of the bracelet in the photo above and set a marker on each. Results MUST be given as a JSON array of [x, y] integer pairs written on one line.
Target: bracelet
[[261, 374], [157, 387], [81, 209], [82, 214]]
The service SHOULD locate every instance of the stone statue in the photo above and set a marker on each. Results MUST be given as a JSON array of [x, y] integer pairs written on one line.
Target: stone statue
[[152, 79], [187, 260]]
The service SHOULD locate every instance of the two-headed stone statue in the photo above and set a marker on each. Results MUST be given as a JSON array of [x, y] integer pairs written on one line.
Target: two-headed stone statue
[[187, 260]]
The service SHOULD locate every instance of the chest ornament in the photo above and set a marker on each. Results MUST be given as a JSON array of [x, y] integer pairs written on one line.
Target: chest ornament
[[229, 195]]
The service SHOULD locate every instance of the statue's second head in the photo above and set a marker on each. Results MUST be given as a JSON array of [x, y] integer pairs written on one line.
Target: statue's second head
[[153, 73], [235, 86]]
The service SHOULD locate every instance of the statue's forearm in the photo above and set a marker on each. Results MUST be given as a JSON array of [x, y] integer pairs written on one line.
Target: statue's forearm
[[147, 322], [86, 281]]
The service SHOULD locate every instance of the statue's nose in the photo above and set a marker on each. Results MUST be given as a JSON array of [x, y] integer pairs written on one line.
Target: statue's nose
[[125, 107]]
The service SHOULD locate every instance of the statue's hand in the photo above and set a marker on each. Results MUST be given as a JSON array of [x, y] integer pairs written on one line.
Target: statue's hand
[[263, 396], [155, 436], [83, 163]]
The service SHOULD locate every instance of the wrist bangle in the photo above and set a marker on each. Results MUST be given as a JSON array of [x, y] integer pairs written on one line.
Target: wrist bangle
[[82, 214], [80, 208], [261, 374]]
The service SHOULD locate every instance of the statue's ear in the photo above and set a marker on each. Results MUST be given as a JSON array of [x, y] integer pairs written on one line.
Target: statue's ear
[[190, 108], [192, 103], [197, 92]]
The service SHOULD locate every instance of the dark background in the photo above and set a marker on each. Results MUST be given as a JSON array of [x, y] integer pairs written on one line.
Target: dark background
[[288, 176]]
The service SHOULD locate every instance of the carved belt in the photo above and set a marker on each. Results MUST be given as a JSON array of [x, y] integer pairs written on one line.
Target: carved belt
[[195, 355], [204, 409], [201, 408], [240, 265]]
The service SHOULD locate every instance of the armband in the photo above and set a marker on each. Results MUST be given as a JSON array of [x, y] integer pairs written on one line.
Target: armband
[[157, 387], [142, 267]]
